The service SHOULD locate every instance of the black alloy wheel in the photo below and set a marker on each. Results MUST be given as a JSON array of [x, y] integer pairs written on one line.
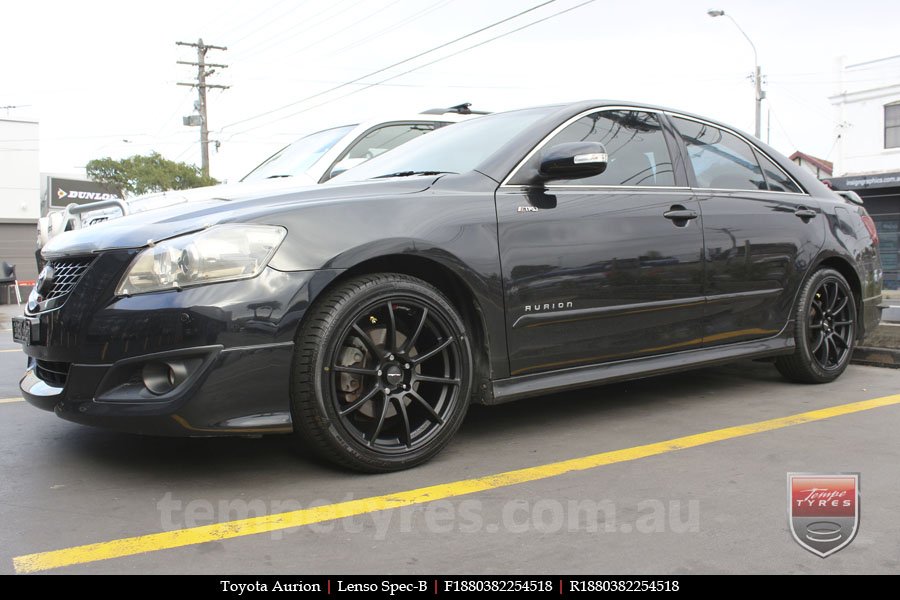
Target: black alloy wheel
[[825, 330], [382, 373]]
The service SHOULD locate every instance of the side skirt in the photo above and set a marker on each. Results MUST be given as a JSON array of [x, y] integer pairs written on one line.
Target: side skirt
[[523, 386]]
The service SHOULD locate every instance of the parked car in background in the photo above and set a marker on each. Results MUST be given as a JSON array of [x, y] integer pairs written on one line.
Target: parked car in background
[[513, 255], [312, 159]]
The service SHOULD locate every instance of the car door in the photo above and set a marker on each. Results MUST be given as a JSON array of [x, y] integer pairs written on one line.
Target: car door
[[600, 269], [761, 232]]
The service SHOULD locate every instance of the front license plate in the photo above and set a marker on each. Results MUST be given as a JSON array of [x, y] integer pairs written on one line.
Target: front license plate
[[25, 329]]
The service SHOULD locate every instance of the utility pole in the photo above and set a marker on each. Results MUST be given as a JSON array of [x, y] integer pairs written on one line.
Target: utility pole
[[204, 70], [759, 93]]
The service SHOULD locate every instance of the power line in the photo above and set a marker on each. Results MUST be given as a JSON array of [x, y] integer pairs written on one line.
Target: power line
[[437, 60], [264, 25], [396, 64], [413, 17], [342, 30], [292, 31]]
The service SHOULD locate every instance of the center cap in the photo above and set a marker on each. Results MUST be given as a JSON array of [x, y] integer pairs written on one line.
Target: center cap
[[393, 375]]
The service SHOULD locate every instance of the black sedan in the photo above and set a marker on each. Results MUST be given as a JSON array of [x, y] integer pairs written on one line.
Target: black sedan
[[512, 255]]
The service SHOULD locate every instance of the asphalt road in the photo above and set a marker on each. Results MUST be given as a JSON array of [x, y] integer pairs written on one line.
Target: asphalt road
[[719, 507]]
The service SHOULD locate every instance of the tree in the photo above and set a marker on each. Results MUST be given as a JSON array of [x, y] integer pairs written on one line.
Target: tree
[[139, 174]]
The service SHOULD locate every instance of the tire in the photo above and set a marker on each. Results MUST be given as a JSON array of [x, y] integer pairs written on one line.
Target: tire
[[824, 330], [382, 373]]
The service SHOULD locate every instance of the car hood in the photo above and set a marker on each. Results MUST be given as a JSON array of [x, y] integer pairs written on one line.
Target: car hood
[[209, 206], [225, 191]]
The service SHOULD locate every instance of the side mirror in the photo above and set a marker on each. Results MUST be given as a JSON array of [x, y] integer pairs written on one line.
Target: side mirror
[[573, 160]]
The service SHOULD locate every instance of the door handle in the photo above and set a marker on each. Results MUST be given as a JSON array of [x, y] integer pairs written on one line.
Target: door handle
[[680, 215], [805, 213]]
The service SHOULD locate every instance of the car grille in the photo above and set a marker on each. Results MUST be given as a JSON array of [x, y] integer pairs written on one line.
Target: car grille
[[53, 373], [66, 273]]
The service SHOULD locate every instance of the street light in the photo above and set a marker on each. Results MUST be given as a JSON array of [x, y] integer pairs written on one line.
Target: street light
[[760, 94]]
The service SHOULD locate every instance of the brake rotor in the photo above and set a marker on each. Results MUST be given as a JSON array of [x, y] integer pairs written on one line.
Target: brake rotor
[[356, 355]]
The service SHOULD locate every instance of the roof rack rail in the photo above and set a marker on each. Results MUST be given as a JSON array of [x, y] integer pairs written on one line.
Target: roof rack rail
[[460, 109]]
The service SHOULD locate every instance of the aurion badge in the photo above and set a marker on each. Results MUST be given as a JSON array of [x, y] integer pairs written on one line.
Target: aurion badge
[[823, 510]]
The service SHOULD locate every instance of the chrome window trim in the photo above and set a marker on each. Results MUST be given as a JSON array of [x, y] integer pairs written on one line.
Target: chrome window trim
[[565, 124], [756, 148], [749, 191], [668, 113], [636, 188]]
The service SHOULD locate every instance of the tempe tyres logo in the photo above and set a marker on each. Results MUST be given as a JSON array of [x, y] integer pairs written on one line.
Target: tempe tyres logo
[[823, 510]]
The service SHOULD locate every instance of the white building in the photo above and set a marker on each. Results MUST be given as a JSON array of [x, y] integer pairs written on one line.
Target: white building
[[867, 157], [20, 198]]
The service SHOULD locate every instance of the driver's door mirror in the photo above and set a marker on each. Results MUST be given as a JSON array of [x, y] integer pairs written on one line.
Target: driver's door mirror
[[573, 160]]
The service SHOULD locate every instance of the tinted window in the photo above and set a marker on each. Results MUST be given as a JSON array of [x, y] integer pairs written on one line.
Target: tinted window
[[299, 156], [775, 177], [637, 149], [721, 160], [377, 142], [892, 125], [457, 149]]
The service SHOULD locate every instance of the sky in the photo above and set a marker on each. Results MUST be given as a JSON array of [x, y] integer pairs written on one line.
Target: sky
[[100, 76]]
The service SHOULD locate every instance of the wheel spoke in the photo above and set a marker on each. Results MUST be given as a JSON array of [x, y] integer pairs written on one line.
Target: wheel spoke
[[367, 340], [422, 358], [390, 342], [818, 345], [444, 380], [411, 341], [841, 306], [354, 370], [842, 323], [401, 407], [434, 416], [829, 346], [385, 403], [833, 296], [359, 403], [838, 339], [815, 326], [817, 305]]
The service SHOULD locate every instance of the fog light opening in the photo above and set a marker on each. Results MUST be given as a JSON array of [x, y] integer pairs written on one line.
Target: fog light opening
[[163, 377]]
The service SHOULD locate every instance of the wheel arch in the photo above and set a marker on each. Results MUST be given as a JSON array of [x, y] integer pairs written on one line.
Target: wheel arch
[[843, 266], [452, 285]]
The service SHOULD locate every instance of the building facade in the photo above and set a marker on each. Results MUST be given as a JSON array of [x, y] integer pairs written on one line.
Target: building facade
[[20, 198], [867, 150]]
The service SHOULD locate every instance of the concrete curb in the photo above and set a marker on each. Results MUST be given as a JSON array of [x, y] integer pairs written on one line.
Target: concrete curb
[[876, 357]]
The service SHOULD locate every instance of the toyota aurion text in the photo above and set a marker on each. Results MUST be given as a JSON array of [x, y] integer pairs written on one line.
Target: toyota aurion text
[[511, 255]]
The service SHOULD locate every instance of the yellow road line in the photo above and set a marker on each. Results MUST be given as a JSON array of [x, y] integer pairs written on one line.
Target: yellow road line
[[11, 400], [43, 561], [12, 350]]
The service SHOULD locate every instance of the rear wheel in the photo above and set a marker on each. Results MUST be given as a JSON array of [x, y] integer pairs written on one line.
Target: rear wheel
[[382, 373], [825, 330]]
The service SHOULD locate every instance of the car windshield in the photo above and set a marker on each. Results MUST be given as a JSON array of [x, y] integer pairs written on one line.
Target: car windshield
[[299, 156], [453, 149]]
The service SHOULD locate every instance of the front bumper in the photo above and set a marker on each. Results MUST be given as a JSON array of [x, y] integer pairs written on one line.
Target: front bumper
[[236, 391], [235, 340]]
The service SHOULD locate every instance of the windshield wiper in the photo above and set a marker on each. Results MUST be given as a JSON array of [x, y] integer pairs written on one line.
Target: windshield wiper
[[413, 173]]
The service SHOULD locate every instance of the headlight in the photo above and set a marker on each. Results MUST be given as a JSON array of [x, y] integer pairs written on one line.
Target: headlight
[[220, 253]]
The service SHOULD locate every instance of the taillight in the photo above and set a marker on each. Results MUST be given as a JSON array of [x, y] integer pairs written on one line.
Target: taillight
[[870, 226]]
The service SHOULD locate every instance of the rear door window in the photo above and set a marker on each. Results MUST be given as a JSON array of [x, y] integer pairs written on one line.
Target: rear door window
[[720, 159]]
